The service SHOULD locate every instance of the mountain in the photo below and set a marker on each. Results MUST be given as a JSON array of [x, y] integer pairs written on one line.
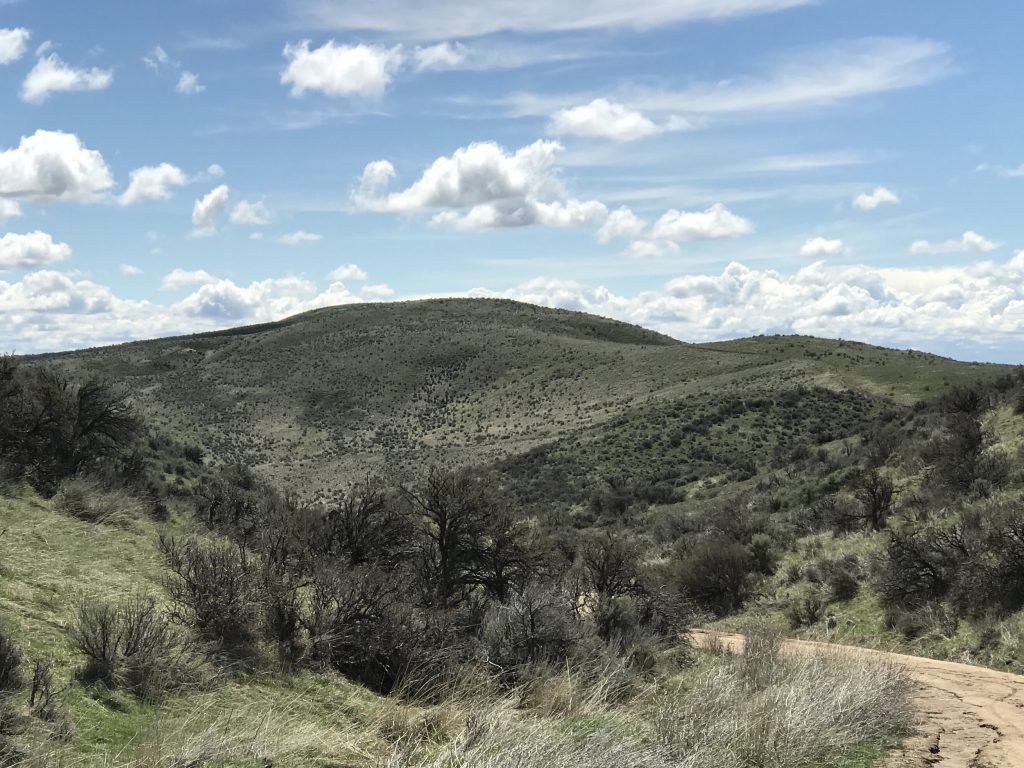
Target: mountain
[[326, 396]]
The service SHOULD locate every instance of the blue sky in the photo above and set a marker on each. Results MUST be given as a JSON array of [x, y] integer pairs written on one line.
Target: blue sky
[[708, 168]]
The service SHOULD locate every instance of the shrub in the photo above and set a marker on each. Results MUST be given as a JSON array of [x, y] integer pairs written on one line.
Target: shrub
[[10, 663], [357, 624], [536, 626], [806, 608], [131, 646], [716, 575], [214, 589], [841, 576], [88, 501]]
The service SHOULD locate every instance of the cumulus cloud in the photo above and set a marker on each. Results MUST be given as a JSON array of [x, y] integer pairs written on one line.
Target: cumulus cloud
[[653, 249], [250, 214], [484, 186], [182, 278], [299, 237], [816, 247], [129, 270], [348, 272], [9, 209], [440, 56], [52, 75], [340, 70], [524, 213], [868, 201], [52, 166], [208, 209], [214, 171], [716, 223], [373, 181], [152, 183], [969, 242], [30, 250], [13, 44], [621, 223], [377, 291], [610, 120], [971, 309], [188, 84], [483, 172]]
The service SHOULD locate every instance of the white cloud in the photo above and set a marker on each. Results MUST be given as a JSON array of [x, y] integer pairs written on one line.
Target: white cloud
[[970, 242], [51, 166], [973, 309], [340, 70], [129, 270], [809, 78], [481, 173], [158, 59], [152, 183], [460, 18], [621, 222], [716, 223], [13, 44], [374, 180], [189, 84], [52, 75], [250, 214], [868, 201], [9, 209], [299, 237], [208, 209], [817, 247], [215, 171], [440, 56], [524, 213], [377, 291], [180, 278], [610, 120], [256, 236], [348, 272], [30, 250], [653, 249], [482, 186]]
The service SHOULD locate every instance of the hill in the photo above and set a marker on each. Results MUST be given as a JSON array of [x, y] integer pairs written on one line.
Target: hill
[[326, 396]]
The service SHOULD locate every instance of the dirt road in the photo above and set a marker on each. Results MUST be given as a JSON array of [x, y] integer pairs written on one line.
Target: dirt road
[[971, 717]]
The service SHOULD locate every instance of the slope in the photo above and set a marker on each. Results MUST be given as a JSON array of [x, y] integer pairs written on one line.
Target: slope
[[329, 395]]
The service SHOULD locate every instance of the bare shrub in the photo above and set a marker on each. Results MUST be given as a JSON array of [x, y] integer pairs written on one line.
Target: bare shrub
[[215, 590], [132, 647], [717, 575], [10, 663]]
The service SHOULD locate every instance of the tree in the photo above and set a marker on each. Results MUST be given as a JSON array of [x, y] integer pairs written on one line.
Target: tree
[[466, 536], [52, 427], [876, 495], [610, 563], [361, 526]]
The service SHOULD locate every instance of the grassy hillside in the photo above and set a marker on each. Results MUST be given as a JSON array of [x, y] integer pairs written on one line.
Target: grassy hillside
[[50, 563], [328, 395]]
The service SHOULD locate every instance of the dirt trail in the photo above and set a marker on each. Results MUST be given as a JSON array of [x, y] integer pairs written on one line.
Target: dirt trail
[[971, 717]]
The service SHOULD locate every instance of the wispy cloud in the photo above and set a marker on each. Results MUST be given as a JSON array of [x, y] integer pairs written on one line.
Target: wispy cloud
[[808, 78], [443, 19]]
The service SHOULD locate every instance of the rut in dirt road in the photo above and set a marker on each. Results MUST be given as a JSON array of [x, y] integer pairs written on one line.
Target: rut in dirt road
[[970, 717]]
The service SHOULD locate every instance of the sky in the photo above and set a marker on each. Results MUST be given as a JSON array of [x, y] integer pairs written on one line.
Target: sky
[[710, 169]]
